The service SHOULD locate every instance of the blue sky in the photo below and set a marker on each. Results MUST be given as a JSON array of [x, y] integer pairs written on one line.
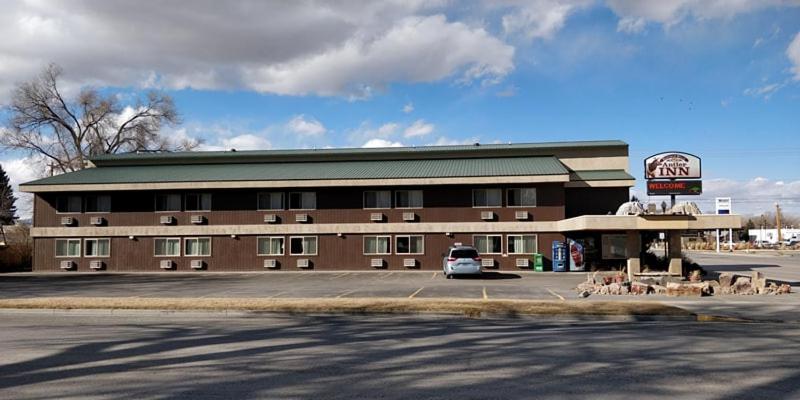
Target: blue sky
[[718, 79]]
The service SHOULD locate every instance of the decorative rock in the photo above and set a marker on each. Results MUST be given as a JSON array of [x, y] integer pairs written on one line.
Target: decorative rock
[[725, 280], [584, 294], [784, 288], [713, 287], [658, 289], [691, 290], [742, 285], [759, 283], [614, 288], [640, 288]]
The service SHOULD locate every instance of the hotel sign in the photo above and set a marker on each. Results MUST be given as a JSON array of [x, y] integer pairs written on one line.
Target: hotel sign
[[672, 165], [676, 187]]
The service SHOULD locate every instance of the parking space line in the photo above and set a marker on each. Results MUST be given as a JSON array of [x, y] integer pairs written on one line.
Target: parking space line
[[276, 295], [556, 294], [345, 294], [485, 295], [337, 276], [434, 275], [416, 292]]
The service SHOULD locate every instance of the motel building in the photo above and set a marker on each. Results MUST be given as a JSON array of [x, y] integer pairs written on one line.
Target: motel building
[[346, 209]]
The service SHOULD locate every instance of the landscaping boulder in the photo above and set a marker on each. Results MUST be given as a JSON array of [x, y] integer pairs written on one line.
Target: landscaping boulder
[[725, 280], [759, 283], [658, 289], [742, 285], [684, 290], [639, 288]]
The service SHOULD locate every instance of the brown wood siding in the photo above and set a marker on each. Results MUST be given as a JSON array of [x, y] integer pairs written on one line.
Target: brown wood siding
[[334, 205], [240, 254]]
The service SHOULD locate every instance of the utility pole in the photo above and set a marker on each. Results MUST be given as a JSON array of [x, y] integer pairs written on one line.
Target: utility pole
[[778, 222]]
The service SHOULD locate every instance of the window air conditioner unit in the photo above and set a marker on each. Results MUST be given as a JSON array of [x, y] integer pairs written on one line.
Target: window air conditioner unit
[[301, 218], [487, 215], [523, 262], [521, 215], [166, 219], [197, 264], [409, 262], [270, 218], [97, 221], [270, 263], [96, 264], [166, 264], [303, 263], [67, 264], [487, 262], [198, 219], [376, 263], [376, 217], [409, 216], [67, 221]]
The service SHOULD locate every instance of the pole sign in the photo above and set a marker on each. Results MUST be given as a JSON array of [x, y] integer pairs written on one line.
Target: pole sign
[[723, 205], [672, 165], [674, 187]]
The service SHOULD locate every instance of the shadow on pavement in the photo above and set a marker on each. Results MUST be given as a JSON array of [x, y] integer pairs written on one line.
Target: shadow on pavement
[[489, 275]]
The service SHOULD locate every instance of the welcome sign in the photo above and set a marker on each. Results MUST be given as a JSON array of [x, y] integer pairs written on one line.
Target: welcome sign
[[672, 165]]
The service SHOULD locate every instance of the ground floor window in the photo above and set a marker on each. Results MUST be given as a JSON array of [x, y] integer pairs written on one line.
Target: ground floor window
[[97, 247], [521, 244], [166, 247], [488, 244], [377, 245], [303, 246], [198, 246], [412, 244], [68, 247], [270, 246]]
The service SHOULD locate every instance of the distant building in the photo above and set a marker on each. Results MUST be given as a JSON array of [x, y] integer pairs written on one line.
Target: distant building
[[771, 235]]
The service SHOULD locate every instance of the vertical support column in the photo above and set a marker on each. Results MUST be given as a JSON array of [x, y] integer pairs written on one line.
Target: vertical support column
[[675, 267], [717, 237], [730, 239], [634, 247]]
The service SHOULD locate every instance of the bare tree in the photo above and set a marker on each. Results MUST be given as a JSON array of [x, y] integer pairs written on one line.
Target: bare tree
[[67, 132]]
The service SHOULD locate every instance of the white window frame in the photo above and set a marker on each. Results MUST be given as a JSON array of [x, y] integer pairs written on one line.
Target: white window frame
[[283, 201], [316, 239], [200, 198], [535, 196], [185, 247], [85, 247], [364, 200], [155, 202], [364, 245], [289, 205], [474, 243], [167, 238], [55, 247], [497, 206], [70, 212], [86, 206], [409, 244], [526, 252], [421, 197], [270, 238]]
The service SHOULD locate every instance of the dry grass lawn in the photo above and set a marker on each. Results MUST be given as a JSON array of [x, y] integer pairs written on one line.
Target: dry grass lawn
[[357, 306]]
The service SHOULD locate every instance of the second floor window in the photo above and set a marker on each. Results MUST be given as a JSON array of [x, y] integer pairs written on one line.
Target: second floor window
[[98, 203], [270, 201], [522, 197], [408, 198], [302, 201], [168, 202], [198, 202], [487, 198], [68, 204], [378, 199]]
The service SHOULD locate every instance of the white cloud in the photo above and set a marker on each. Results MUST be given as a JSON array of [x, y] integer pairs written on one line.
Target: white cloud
[[540, 19], [305, 126], [382, 143], [752, 196], [634, 14], [408, 108], [445, 141], [793, 52], [765, 91], [418, 128]]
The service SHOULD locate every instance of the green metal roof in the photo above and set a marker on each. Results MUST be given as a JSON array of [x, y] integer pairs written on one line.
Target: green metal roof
[[383, 169], [600, 175], [354, 154]]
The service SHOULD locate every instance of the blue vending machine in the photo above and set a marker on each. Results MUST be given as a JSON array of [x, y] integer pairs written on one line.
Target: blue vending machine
[[559, 256]]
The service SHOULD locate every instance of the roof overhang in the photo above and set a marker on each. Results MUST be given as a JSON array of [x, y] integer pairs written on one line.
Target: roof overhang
[[650, 222], [515, 179]]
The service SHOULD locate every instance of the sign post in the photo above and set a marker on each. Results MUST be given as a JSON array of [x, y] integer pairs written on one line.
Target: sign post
[[723, 207]]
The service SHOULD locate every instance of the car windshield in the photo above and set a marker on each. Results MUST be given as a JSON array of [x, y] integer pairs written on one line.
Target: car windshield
[[464, 253]]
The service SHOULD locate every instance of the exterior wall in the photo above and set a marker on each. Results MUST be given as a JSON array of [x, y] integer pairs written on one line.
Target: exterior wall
[[240, 254], [334, 205], [594, 201]]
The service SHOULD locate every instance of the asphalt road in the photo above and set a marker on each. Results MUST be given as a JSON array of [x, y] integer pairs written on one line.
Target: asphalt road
[[199, 356]]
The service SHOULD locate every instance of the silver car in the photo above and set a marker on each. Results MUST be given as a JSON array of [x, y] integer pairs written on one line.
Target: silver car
[[461, 260]]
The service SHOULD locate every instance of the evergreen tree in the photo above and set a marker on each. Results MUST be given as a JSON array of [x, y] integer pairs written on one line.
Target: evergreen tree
[[8, 211]]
